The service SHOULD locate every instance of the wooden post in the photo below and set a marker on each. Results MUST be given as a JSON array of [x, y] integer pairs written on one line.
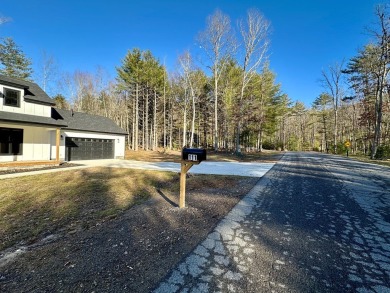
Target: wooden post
[[185, 166], [58, 136]]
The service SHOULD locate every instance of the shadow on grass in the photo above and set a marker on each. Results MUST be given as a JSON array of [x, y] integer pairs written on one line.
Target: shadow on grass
[[36, 206]]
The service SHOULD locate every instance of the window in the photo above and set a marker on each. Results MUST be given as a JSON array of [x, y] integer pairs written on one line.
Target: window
[[11, 97], [11, 141]]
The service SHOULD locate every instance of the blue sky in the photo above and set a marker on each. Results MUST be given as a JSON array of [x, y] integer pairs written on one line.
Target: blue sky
[[307, 36]]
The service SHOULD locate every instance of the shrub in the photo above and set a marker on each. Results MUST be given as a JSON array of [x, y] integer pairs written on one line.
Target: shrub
[[267, 145], [341, 148], [293, 143], [383, 152]]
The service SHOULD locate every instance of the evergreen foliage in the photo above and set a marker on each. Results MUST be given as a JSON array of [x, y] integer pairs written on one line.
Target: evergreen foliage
[[13, 62], [61, 102]]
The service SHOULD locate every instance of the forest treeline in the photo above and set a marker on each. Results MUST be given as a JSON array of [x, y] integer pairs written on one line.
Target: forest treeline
[[231, 100]]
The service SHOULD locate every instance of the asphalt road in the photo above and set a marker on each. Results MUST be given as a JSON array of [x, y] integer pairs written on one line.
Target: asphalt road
[[313, 223]]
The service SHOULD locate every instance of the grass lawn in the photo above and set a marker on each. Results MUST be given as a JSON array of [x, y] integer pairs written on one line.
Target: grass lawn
[[33, 207], [367, 159], [36, 206]]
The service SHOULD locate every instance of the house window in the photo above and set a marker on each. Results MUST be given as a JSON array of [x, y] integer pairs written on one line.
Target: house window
[[11, 97], [11, 141]]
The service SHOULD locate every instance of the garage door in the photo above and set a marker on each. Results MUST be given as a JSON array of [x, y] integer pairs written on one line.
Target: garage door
[[88, 148]]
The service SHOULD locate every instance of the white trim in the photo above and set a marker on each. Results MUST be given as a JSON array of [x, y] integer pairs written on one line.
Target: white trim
[[119, 141], [24, 106]]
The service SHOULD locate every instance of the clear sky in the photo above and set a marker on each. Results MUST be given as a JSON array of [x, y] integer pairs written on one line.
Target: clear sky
[[307, 36]]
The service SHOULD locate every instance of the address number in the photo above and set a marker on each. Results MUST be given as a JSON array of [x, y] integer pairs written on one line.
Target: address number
[[192, 157]]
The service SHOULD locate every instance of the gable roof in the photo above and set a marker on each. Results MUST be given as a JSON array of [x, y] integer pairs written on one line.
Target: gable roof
[[64, 119], [59, 117], [32, 92], [87, 122]]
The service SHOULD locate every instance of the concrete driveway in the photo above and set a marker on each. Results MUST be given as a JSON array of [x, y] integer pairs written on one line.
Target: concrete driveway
[[217, 168]]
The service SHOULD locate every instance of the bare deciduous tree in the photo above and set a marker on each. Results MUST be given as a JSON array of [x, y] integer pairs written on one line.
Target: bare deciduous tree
[[217, 41], [186, 65], [254, 32], [383, 43], [332, 82], [48, 71]]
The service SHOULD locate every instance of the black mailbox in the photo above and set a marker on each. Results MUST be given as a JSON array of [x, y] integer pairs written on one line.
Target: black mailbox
[[193, 155]]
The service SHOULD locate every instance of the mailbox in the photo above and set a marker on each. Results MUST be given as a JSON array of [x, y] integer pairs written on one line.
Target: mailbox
[[193, 155]]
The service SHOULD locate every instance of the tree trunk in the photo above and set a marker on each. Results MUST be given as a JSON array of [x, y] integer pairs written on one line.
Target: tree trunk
[[136, 117], [215, 113], [184, 125], [325, 133], [193, 119], [260, 140], [127, 126], [335, 130], [170, 128], [147, 119], [151, 135], [133, 125], [238, 132], [164, 118], [155, 121], [378, 121], [239, 110]]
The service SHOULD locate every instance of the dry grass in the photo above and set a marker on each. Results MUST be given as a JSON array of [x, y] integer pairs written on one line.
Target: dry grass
[[265, 156], [367, 159], [222, 156], [153, 156], [33, 207], [36, 205]]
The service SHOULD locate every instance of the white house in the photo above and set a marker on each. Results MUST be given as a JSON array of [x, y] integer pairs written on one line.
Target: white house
[[31, 129]]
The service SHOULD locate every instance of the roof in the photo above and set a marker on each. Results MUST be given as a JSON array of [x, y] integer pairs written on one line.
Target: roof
[[32, 91], [59, 117], [87, 122], [64, 119], [31, 119]]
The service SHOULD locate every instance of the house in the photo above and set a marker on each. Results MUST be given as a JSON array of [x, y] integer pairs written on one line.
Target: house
[[31, 129]]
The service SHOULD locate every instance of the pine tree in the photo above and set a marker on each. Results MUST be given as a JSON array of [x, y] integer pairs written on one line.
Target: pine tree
[[322, 106], [13, 62], [61, 102], [142, 77]]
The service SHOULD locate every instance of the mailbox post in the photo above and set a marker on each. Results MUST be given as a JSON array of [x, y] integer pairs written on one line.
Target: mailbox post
[[190, 157]]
